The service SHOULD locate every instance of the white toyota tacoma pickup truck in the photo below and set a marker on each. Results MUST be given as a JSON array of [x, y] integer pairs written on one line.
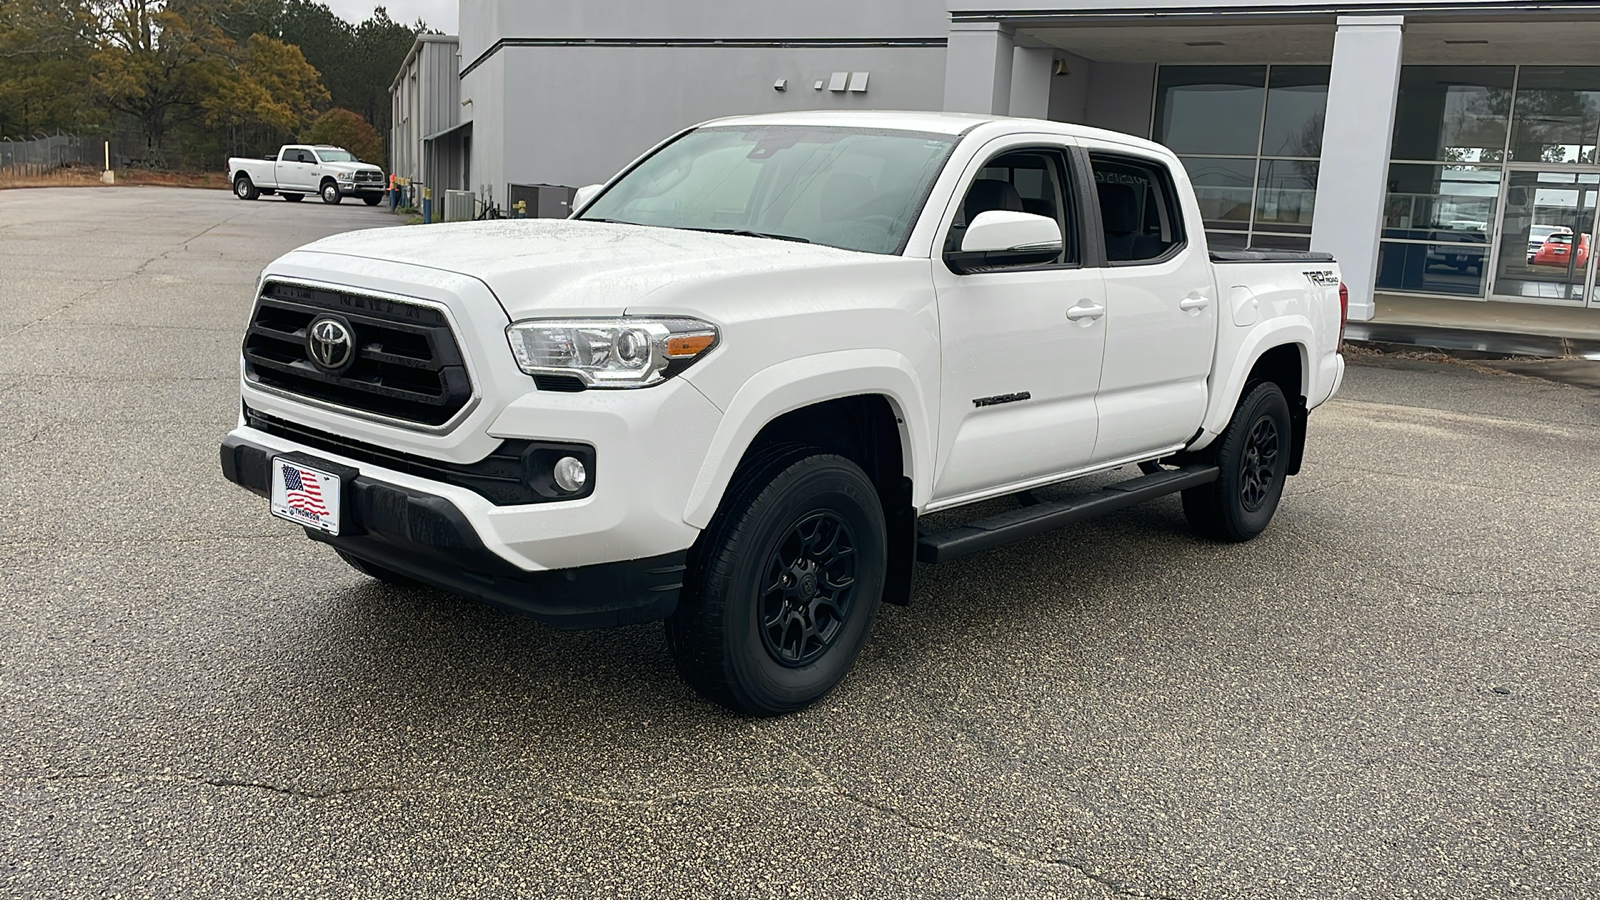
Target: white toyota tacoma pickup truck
[[726, 390], [333, 173]]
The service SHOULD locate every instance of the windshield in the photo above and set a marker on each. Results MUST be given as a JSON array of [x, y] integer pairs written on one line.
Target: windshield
[[851, 188], [337, 156]]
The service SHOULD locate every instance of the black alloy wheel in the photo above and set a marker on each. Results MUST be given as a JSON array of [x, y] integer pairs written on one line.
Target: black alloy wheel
[[784, 583], [1253, 458], [1259, 471], [810, 589]]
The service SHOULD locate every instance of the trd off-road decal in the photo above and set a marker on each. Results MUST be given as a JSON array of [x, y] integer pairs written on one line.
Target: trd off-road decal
[[1323, 278]]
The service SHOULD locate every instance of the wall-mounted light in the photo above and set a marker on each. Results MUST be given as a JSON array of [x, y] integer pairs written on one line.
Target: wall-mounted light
[[1060, 68], [782, 84]]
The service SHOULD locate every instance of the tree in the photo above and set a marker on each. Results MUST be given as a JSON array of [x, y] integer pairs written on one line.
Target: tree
[[154, 61], [270, 83], [44, 58], [346, 129]]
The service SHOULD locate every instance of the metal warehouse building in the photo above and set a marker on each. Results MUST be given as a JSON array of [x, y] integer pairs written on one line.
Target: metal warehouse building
[[1440, 148]]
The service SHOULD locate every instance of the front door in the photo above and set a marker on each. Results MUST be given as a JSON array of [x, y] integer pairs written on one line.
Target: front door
[[1547, 237], [1022, 347]]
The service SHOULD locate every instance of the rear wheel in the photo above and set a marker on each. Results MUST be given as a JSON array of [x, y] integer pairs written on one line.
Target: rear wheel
[[784, 585], [382, 573], [331, 194], [294, 198], [244, 188], [1253, 456]]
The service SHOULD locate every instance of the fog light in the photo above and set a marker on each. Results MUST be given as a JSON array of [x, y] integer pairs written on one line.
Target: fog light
[[570, 475]]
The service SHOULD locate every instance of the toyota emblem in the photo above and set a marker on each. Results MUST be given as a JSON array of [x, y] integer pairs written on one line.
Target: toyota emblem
[[330, 344]]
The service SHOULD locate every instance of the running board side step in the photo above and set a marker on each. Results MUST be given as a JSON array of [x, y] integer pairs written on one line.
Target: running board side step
[[1027, 521]]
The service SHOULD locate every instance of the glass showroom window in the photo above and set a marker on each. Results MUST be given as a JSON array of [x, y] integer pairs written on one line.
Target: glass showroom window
[[1250, 137], [1452, 124], [1557, 114]]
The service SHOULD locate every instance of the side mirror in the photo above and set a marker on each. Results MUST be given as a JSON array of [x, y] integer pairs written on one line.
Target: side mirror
[[1000, 239], [582, 196]]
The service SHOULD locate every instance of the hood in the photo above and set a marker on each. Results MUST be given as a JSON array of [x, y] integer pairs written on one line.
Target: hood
[[351, 167], [563, 266]]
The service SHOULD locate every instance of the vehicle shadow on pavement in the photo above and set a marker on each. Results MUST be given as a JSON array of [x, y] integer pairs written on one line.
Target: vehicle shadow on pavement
[[433, 655]]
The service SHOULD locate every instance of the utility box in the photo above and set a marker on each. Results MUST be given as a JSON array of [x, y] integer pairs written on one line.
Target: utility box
[[458, 206], [545, 201]]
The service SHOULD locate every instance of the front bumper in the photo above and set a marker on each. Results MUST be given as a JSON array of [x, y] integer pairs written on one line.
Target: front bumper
[[428, 538]]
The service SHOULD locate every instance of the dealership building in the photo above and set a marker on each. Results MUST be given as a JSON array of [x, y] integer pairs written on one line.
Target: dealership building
[[1442, 150]]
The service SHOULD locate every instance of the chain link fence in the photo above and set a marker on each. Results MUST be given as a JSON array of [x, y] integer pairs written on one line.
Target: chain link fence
[[43, 155]]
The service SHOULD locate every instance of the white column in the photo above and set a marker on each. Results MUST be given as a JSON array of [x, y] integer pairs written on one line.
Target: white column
[[977, 68], [1030, 82], [1354, 174]]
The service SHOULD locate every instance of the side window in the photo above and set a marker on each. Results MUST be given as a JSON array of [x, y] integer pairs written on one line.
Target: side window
[[1138, 208], [1031, 181]]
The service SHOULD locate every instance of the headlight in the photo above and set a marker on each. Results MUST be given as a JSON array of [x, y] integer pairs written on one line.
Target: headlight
[[619, 353]]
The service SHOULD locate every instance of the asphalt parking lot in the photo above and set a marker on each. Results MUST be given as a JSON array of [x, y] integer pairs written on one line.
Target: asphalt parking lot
[[1395, 692]]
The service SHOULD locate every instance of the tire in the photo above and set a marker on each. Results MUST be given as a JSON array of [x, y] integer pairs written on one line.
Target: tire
[[1253, 454], [330, 194], [372, 199], [809, 527], [373, 570], [244, 189], [294, 198]]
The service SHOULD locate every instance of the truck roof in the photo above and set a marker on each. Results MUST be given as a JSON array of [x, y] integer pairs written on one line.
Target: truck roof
[[950, 123]]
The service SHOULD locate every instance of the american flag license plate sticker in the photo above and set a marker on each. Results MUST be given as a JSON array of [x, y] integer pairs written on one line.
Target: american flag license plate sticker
[[305, 496]]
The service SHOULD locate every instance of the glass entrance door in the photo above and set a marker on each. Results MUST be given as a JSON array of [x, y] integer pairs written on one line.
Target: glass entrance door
[[1547, 237]]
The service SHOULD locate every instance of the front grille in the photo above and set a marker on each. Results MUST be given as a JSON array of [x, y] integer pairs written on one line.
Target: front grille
[[406, 365], [515, 472], [369, 176]]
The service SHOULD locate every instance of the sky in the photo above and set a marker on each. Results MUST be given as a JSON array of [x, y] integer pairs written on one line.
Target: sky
[[439, 14]]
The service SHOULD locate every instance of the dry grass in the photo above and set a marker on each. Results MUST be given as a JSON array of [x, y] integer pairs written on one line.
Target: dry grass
[[84, 176]]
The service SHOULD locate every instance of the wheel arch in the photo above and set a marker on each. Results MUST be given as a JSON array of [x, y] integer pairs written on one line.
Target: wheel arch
[[1282, 356], [863, 405], [776, 399]]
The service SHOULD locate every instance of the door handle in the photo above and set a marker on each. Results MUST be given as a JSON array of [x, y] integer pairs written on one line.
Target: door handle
[[1091, 312], [1190, 304]]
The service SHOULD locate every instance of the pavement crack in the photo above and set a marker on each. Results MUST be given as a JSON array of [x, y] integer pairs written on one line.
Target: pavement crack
[[1010, 854], [221, 783], [55, 312]]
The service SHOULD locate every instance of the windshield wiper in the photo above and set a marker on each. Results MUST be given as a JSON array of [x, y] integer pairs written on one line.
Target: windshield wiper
[[741, 232]]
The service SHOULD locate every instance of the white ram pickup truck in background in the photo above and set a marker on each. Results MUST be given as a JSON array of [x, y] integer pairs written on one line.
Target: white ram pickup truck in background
[[332, 173], [726, 392]]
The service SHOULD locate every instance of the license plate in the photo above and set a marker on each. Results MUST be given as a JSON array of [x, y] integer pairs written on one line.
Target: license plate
[[305, 496]]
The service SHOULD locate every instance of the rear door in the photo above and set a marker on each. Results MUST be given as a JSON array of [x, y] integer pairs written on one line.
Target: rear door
[[1161, 312], [1021, 346]]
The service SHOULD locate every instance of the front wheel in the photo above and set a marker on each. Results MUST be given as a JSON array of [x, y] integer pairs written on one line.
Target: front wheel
[[1253, 456], [372, 199], [331, 194], [783, 586], [244, 188]]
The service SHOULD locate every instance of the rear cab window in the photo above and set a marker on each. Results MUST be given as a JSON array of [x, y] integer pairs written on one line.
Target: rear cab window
[[1139, 213]]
